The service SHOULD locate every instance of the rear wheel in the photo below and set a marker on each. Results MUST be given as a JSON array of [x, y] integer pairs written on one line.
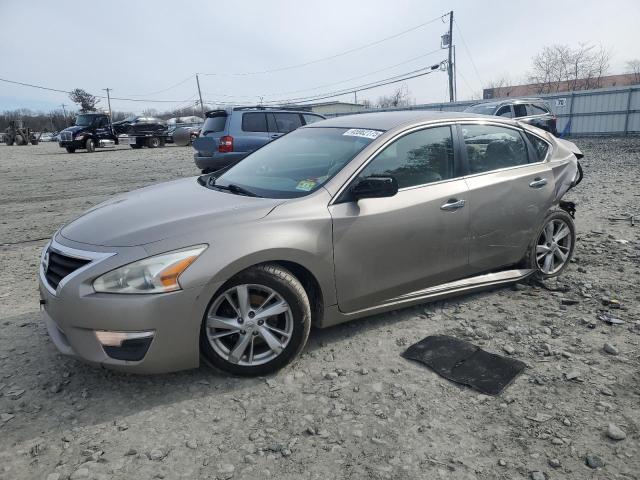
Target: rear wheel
[[90, 145], [19, 140], [554, 245], [257, 322], [135, 146], [70, 149]]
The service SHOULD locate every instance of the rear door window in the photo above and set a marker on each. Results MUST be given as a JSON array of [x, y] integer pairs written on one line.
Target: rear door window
[[286, 122], [254, 122], [520, 110], [505, 112], [492, 148], [540, 147]]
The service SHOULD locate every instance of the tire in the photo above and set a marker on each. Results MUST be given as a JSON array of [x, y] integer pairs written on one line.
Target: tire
[[71, 149], [135, 146], [162, 143], [262, 282], [153, 142], [550, 258], [19, 140], [90, 145], [34, 141]]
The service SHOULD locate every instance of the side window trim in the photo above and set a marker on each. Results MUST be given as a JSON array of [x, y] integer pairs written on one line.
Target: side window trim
[[466, 158]]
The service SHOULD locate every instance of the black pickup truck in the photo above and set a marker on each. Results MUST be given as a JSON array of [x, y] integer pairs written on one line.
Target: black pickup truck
[[95, 130]]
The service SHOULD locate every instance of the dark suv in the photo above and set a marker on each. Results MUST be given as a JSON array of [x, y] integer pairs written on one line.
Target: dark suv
[[228, 136], [533, 111]]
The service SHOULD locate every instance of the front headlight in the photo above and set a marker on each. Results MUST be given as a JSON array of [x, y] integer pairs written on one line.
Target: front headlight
[[158, 274]]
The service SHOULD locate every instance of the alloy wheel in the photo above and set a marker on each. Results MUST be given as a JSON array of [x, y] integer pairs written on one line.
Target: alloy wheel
[[553, 246], [249, 324]]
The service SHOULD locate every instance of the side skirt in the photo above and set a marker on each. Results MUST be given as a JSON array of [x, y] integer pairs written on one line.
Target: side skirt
[[334, 316]]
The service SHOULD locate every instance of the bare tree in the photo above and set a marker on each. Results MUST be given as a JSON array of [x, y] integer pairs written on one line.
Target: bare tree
[[633, 67], [399, 98], [562, 68], [85, 100], [499, 86]]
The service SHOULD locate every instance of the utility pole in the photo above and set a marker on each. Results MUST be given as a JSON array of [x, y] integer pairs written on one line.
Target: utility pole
[[109, 103], [200, 95], [450, 63], [108, 99], [355, 96], [64, 112]]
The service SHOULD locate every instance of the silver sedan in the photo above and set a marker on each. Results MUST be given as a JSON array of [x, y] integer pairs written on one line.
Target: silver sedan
[[335, 221]]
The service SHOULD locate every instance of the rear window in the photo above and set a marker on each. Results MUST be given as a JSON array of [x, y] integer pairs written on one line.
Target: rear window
[[254, 122], [214, 124]]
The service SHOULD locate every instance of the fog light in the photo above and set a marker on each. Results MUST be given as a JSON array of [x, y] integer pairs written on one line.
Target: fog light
[[132, 346]]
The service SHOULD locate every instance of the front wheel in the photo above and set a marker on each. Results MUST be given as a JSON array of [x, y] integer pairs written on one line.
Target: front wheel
[[553, 248], [90, 145], [257, 322], [70, 149], [153, 142]]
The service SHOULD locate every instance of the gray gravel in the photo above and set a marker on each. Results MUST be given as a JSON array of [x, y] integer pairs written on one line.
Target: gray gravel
[[351, 407]]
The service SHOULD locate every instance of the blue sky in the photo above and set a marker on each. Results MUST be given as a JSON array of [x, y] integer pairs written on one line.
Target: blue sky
[[144, 47]]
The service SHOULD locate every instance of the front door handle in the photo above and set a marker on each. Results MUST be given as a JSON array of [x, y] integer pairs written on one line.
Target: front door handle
[[453, 204], [538, 182]]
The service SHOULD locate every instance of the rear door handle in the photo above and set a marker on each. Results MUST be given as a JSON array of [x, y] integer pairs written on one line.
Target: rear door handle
[[538, 182], [453, 204]]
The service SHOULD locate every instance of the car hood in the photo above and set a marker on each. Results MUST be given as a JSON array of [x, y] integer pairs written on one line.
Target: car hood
[[74, 129], [165, 210]]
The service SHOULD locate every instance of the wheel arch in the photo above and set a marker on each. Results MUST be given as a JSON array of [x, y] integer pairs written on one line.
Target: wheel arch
[[316, 275]]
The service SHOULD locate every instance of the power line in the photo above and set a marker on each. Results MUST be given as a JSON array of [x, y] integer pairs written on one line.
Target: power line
[[359, 88], [466, 47], [190, 77], [97, 96], [330, 57], [333, 83]]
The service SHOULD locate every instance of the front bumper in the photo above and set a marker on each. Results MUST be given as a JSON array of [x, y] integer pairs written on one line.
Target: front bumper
[[74, 312], [71, 143]]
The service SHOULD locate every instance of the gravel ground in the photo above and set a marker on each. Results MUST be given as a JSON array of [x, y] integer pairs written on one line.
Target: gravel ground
[[351, 407]]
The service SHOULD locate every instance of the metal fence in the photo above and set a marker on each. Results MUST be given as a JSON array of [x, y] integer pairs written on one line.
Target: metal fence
[[604, 111]]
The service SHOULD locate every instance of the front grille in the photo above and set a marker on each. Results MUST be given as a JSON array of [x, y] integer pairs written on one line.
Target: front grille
[[60, 266], [66, 136]]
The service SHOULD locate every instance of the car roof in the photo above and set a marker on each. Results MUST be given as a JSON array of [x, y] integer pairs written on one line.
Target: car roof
[[511, 101], [388, 120]]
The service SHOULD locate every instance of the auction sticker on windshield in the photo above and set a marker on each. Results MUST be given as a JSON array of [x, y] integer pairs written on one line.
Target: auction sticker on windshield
[[362, 132], [306, 185]]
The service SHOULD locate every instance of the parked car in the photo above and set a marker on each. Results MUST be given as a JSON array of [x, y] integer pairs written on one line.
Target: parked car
[[533, 111], [228, 136], [338, 220], [184, 134]]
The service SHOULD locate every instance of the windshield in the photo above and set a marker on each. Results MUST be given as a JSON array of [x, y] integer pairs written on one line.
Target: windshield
[[84, 120], [482, 109], [297, 163]]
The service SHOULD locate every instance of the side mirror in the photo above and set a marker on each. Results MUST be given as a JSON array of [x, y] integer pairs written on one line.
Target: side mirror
[[374, 187]]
